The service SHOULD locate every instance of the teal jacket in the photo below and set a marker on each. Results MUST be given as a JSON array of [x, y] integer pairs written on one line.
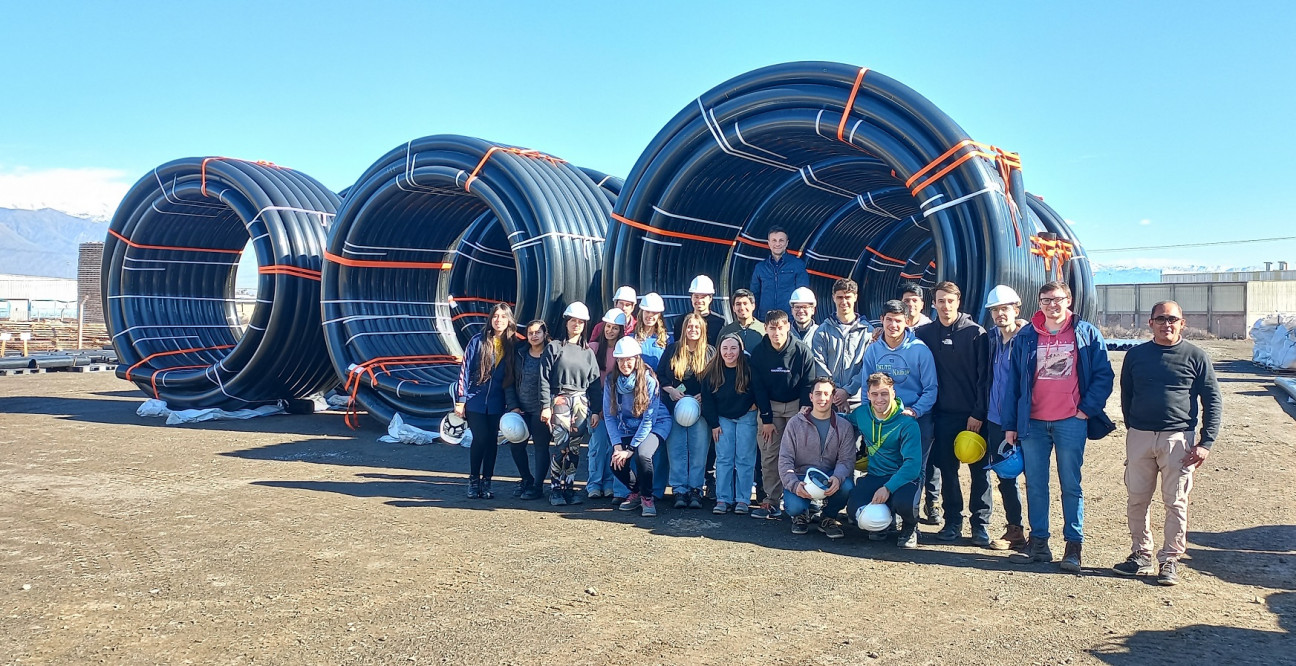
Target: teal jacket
[[893, 444]]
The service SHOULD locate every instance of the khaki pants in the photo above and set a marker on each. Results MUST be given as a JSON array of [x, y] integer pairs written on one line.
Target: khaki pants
[[1148, 454], [769, 452]]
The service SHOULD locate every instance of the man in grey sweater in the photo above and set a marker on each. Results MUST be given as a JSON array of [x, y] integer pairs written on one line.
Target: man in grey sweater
[[1161, 383]]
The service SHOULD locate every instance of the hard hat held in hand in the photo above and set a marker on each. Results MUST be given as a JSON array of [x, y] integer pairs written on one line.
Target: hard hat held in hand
[[514, 428], [1007, 462], [687, 411], [873, 517], [816, 483], [453, 428], [969, 447]]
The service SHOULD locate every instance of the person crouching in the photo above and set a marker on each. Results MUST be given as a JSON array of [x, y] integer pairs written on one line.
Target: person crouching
[[637, 423], [817, 437], [893, 444]]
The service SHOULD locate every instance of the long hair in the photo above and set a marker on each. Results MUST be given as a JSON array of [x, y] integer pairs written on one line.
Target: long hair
[[715, 369], [583, 342], [642, 397], [606, 347], [642, 331], [486, 360], [690, 358]]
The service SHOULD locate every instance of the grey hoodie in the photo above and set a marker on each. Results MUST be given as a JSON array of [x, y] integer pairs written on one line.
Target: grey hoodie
[[839, 351]]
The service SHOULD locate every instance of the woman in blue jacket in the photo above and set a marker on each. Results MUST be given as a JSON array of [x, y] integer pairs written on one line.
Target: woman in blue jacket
[[479, 395], [636, 422]]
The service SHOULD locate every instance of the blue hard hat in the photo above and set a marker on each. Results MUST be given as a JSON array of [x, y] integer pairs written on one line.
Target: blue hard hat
[[1007, 461]]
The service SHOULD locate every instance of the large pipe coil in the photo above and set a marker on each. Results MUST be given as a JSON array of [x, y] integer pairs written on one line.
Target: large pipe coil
[[870, 180], [428, 240], [168, 277]]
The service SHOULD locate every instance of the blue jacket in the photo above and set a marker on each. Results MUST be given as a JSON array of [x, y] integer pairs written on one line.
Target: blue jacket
[[1093, 372], [652, 354], [911, 366], [619, 418], [1000, 370], [773, 282], [485, 397]]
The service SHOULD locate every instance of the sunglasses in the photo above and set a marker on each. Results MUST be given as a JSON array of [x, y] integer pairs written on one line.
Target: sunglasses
[[1166, 319]]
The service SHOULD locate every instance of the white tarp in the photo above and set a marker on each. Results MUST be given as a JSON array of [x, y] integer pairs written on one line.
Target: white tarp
[[154, 407], [400, 432], [1274, 338]]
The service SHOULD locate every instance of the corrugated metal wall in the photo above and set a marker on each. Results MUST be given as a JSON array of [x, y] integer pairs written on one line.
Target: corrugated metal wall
[[1223, 309], [27, 287]]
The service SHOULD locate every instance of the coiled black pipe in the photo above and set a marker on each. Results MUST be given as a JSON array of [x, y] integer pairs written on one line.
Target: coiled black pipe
[[1077, 271], [168, 283], [428, 240], [870, 180]]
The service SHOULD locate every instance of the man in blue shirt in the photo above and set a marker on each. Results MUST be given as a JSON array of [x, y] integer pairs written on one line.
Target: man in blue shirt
[[777, 276], [910, 364]]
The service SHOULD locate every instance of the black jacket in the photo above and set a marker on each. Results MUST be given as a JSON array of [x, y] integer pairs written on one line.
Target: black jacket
[[726, 401], [783, 375], [961, 353]]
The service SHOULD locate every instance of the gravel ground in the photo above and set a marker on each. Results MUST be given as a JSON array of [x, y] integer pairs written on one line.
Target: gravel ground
[[294, 540]]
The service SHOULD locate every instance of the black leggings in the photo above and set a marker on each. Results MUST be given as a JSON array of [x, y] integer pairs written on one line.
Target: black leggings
[[642, 482], [541, 437], [485, 444], [903, 502]]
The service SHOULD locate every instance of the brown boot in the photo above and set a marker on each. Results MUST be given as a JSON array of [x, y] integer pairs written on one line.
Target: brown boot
[[1015, 538], [1071, 559]]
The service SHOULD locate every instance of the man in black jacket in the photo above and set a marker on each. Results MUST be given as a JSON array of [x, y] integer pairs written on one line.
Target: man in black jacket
[[782, 372], [1161, 383], [959, 347]]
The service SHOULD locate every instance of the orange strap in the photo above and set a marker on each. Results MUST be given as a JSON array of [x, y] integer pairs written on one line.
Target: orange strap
[[290, 270], [470, 299], [522, 152], [850, 103], [1058, 249], [173, 353], [1004, 159], [673, 234], [891, 259], [827, 275], [153, 378], [203, 171], [352, 384], [369, 263], [170, 247], [910, 276]]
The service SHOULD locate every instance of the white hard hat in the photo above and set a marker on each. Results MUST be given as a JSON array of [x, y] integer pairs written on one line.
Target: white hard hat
[[615, 316], [873, 517], [687, 411], [802, 295], [577, 310], [453, 428], [627, 347], [651, 302], [626, 293], [514, 428], [816, 483], [701, 285], [1002, 295]]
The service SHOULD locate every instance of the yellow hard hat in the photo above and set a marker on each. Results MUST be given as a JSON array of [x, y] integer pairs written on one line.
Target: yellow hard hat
[[969, 447]]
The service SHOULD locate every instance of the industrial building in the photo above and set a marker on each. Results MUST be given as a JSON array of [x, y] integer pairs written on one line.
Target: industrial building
[[1224, 304]]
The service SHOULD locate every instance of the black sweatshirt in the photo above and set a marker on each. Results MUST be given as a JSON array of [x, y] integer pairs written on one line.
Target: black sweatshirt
[[1160, 387], [667, 376], [783, 375], [726, 401], [565, 368], [961, 353]]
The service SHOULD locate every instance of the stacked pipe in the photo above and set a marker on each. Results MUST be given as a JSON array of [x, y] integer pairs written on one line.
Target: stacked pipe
[[870, 180], [168, 274], [429, 239]]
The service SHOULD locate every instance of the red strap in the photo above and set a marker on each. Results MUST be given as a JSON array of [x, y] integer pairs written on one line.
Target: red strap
[[296, 271], [171, 247], [172, 353]]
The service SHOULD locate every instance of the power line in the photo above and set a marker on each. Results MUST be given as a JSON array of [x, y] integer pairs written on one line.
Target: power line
[[1211, 244]]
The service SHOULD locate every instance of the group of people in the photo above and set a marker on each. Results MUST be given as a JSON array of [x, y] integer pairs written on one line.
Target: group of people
[[816, 416]]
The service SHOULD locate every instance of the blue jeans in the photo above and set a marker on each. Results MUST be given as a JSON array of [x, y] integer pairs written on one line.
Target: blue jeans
[[1066, 438], [599, 475], [688, 454], [661, 461], [736, 459], [796, 505]]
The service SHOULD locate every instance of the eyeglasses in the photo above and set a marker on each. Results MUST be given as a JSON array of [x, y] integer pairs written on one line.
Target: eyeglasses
[[1166, 319], [1051, 301]]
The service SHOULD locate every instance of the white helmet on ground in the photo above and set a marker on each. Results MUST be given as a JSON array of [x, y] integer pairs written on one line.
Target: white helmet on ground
[[1002, 295], [615, 316], [701, 285], [816, 483], [627, 347], [577, 310], [514, 428], [687, 411], [453, 428], [626, 293], [652, 302], [873, 517], [802, 295]]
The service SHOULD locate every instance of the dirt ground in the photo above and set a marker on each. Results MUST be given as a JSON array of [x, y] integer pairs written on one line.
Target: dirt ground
[[292, 540]]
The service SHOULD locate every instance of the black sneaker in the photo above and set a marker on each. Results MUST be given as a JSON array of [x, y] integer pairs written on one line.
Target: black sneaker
[[520, 490], [474, 489], [832, 528], [932, 515], [695, 499], [1169, 572], [681, 500], [486, 489], [533, 493], [951, 532], [800, 524], [572, 497], [907, 538], [1135, 565]]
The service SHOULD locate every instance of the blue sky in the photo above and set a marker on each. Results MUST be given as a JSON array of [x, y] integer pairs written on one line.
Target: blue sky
[[1144, 123]]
